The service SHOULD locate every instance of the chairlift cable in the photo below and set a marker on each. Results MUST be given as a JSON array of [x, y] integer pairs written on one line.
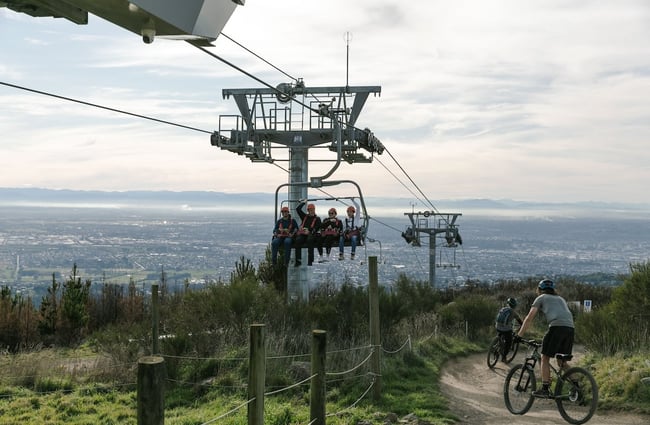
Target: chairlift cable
[[120, 111], [417, 259], [95, 105], [411, 180], [210, 132], [258, 56], [264, 83], [467, 266], [306, 106], [302, 104], [267, 62], [398, 179], [281, 167], [384, 224]]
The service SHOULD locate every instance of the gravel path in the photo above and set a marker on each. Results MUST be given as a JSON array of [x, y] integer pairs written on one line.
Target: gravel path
[[475, 396]]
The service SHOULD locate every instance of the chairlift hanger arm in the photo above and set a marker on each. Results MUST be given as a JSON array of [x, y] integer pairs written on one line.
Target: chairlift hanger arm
[[326, 183]]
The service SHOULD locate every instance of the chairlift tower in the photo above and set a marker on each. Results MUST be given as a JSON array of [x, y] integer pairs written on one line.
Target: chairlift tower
[[284, 123], [438, 226]]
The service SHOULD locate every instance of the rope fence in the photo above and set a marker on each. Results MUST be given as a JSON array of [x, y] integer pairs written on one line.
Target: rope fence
[[76, 367], [230, 412], [152, 371]]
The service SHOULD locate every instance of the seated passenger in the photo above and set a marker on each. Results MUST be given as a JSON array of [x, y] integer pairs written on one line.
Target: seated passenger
[[330, 230], [351, 231], [283, 233], [308, 233]]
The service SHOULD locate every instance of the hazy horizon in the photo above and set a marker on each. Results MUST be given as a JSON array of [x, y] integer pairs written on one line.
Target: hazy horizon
[[206, 201]]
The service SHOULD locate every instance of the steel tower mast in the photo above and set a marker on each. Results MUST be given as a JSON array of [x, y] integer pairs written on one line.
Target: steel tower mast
[[284, 123]]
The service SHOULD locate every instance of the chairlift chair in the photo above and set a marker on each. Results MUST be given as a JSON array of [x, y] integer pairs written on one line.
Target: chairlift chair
[[332, 201]]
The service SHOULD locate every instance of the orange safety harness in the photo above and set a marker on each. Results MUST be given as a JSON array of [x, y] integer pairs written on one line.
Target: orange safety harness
[[331, 229], [282, 232], [303, 230]]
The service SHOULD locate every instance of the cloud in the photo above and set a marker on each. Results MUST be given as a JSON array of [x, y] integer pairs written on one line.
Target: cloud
[[505, 99]]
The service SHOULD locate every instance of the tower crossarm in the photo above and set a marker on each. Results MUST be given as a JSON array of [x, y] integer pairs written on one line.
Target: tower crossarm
[[434, 223], [295, 116]]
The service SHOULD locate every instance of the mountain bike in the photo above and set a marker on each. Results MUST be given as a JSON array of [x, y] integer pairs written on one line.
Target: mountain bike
[[496, 348], [575, 393]]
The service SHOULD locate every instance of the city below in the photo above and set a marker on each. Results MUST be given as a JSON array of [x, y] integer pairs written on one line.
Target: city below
[[200, 242]]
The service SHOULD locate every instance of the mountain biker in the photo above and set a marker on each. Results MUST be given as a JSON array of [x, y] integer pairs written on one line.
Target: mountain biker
[[559, 336], [503, 323]]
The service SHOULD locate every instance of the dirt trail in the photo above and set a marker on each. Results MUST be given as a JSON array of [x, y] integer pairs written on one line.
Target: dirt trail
[[475, 396]]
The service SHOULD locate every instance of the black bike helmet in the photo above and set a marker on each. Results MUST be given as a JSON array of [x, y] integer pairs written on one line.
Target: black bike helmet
[[512, 302], [546, 284]]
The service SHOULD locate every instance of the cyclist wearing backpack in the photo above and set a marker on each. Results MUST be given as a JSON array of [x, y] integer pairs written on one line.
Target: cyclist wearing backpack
[[505, 317], [559, 336]]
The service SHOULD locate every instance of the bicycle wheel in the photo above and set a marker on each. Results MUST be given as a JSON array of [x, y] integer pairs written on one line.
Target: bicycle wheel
[[576, 395], [518, 389], [494, 352], [513, 351]]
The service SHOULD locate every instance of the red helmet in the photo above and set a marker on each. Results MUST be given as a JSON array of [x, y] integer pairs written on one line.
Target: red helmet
[[284, 209], [351, 209], [311, 207], [332, 211]]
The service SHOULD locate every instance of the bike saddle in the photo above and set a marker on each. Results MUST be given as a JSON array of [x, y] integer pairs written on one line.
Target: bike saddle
[[564, 357]]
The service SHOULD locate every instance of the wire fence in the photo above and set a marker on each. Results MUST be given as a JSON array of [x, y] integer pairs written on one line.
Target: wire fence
[[67, 374], [332, 374]]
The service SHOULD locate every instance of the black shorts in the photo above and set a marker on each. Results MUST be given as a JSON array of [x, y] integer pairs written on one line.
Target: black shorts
[[558, 340]]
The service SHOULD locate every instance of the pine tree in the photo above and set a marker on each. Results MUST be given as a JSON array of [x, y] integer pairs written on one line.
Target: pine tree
[[48, 322], [74, 308]]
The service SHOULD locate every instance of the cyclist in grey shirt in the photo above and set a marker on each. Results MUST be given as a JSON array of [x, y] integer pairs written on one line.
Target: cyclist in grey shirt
[[559, 337]]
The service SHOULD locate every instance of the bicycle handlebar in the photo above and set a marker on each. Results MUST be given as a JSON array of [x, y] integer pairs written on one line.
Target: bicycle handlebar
[[530, 342]]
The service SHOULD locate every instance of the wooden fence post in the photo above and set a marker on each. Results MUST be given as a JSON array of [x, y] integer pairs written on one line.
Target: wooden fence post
[[375, 338], [154, 319], [150, 387], [317, 396], [256, 375]]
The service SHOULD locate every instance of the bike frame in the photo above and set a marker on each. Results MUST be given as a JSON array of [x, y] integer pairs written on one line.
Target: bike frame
[[575, 390]]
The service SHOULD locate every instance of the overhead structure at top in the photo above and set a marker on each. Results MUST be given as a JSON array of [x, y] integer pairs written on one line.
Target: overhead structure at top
[[198, 21], [298, 117]]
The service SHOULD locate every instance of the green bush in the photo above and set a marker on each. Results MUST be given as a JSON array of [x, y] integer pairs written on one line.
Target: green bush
[[48, 385], [623, 324]]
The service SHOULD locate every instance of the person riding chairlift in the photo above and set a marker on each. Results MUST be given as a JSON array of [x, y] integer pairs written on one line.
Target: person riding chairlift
[[331, 228], [351, 231], [283, 233], [308, 233]]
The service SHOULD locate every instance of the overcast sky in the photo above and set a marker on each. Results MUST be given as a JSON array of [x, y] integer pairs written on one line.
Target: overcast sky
[[526, 100]]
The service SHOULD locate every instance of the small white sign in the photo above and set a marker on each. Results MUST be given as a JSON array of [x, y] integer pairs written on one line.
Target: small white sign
[[586, 304], [574, 305]]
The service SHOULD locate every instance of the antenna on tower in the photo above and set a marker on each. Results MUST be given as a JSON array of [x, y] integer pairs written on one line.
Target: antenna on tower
[[347, 37]]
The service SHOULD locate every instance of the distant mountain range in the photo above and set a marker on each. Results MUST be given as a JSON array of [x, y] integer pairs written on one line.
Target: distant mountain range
[[139, 198], [58, 196]]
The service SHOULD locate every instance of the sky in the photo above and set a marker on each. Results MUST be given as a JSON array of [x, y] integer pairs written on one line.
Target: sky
[[527, 100]]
